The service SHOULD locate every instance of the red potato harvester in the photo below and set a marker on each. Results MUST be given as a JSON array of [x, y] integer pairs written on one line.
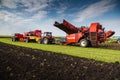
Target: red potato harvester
[[83, 36]]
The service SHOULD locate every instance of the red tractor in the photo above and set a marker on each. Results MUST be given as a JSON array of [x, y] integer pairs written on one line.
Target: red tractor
[[83, 36], [47, 38], [35, 36]]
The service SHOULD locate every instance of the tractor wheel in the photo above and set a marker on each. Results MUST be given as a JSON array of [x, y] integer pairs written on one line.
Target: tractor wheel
[[53, 41], [27, 40], [118, 41], [39, 41], [45, 41], [13, 39], [84, 43]]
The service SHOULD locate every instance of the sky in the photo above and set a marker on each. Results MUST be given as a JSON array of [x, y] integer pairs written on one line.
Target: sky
[[26, 15]]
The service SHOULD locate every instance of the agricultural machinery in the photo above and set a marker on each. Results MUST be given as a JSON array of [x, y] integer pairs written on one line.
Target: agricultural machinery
[[35, 36], [47, 38], [83, 36]]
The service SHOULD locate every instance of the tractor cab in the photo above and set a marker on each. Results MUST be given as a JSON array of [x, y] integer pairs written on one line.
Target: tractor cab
[[47, 38], [47, 34]]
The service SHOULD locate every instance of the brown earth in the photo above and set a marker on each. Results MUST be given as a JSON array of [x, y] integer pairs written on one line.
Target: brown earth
[[18, 63], [114, 46]]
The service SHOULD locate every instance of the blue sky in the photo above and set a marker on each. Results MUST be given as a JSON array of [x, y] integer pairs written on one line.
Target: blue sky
[[25, 15]]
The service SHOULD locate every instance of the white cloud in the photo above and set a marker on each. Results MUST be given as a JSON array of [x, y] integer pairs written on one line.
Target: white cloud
[[35, 5], [113, 24], [62, 8], [10, 4], [6, 16], [39, 15], [31, 5], [11, 23], [95, 10]]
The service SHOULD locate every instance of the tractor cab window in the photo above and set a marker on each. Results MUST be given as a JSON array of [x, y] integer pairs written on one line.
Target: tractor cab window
[[47, 34]]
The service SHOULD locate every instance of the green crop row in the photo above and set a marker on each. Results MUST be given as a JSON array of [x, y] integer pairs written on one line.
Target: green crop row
[[105, 55], [112, 40]]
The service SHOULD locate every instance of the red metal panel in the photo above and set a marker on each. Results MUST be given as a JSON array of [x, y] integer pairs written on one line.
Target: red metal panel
[[18, 35], [78, 36], [94, 27], [109, 33], [38, 33], [70, 38], [94, 33], [66, 27], [74, 38], [71, 27]]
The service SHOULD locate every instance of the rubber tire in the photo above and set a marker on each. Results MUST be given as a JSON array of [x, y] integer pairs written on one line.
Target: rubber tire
[[45, 41], [118, 41], [27, 40], [53, 41], [84, 43], [13, 39], [39, 41]]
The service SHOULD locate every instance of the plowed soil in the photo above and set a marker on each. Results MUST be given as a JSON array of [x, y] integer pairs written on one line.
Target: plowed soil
[[18, 63]]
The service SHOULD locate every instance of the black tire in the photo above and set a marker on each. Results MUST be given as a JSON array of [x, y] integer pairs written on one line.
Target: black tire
[[84, 43], [39, 41], [45, 41], [27, 40], [118, 41], [13, 39], [53, 41]]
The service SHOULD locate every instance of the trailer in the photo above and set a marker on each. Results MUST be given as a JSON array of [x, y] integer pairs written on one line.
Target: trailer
[[34, 36]]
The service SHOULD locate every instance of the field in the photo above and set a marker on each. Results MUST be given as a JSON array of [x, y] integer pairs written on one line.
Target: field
[[106, 55], [56, 62]]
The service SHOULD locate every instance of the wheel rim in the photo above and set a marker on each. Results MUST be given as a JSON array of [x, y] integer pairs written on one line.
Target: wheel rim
[[45, 41], [83, 43], [118, 41]]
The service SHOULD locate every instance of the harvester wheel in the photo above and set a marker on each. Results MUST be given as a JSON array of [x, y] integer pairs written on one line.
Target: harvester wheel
[[45, 41], [118, 41], [84, 43]]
